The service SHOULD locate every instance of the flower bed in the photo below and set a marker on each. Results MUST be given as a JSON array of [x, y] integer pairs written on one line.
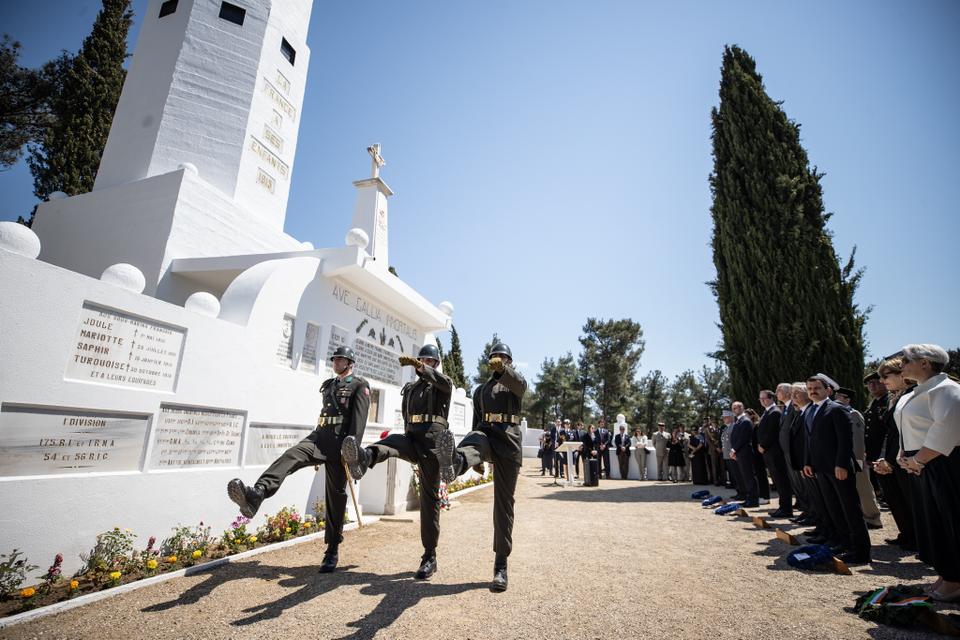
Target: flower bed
[[114, 561]]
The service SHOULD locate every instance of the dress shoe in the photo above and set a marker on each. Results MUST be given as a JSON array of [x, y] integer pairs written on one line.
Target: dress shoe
[[855, 557], [247, 498], [428, 567], [499, 578], [330, 559], [735, 497], [780, 514], [899, 540], [446, 448], [816, 539], [752, 504], [357, 459], [871, 525]]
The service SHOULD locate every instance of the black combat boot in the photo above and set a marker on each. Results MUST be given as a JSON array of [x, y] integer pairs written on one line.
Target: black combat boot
[[330, 559], [499, 574], [358, 460], [247, 498], [428, 565], [446, 456]]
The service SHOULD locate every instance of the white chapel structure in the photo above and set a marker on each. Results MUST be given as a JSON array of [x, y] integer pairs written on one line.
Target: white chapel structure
[[162, 334]]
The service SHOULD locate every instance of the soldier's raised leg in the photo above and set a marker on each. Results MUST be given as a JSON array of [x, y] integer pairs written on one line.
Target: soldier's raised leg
[[249, 498]]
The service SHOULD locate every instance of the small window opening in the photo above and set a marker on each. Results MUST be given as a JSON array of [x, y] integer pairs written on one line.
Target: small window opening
[[232, 13], [287, 51], [167, 8]]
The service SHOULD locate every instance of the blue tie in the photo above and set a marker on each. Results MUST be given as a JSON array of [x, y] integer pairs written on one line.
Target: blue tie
[[809, 413]]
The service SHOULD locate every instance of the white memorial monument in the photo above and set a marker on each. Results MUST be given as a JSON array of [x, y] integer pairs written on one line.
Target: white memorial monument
[[171, 336]]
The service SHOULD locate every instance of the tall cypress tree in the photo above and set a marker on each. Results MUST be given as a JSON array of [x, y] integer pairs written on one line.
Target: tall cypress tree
[[68, 156], [453, 361], [786, 305]]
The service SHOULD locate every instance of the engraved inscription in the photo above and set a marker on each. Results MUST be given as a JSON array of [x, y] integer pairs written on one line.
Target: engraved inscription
[[59, 441], [281, 103], [266, 443], [283, 83], [273, 138], [129, 351], [189, 437], [269, 157], [265, 180]]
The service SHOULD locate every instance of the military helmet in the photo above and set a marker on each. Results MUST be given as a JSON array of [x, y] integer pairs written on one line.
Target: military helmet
[[429, 351], [500, 349], [344, 352]]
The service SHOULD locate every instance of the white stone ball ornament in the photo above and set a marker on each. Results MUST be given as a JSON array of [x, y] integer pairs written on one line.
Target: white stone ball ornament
[[206, 304], [19, 239], [189, 167], [447, 307], [126, 276], [357, 237], [56, 195]]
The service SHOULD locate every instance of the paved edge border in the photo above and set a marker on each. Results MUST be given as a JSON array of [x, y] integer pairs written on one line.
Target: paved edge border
[[79, 601]]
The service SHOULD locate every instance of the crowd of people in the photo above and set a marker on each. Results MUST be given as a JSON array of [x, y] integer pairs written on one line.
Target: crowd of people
[[832, 467]]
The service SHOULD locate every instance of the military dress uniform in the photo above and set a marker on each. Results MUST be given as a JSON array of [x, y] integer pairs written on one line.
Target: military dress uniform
[[496, 438], [425, 406], [346, 402]]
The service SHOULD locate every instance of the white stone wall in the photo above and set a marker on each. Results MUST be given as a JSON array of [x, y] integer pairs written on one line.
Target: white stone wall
[[225, 365]]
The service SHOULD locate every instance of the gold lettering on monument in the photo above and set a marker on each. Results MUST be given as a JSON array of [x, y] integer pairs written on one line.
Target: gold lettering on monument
[[269, 157], [273, 138], [283, 83], [281, 102], [265, 180]]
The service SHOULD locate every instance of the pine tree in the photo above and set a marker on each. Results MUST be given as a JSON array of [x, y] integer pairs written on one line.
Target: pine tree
[[453, 361], [787, 308], [483, 365], [608, 362], [68, 156]]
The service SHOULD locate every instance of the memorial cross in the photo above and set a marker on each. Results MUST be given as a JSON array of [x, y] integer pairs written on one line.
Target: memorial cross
[[377, 160]]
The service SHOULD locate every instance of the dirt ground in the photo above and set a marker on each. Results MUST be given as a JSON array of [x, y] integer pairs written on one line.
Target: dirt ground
[[625, 560]]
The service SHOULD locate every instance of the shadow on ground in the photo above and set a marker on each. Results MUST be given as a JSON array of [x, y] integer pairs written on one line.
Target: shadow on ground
[[399, 590], [629, 491]]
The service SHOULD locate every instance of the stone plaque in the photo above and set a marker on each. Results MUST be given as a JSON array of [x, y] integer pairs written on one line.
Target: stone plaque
[[458, 417], [194, 437], [58, 441], [376, 363], [308, 360], [338, 338], [285, 346], [267, 442], [124, 350]]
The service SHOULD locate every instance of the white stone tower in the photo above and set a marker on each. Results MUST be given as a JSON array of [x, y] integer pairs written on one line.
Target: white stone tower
[[219, 85], [200, 153]]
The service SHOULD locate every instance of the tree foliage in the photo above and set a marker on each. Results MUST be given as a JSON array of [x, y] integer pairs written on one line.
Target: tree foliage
[[24, 102], [786, 305], [453, 361], [67, 156], [609, 359], [556, 393]]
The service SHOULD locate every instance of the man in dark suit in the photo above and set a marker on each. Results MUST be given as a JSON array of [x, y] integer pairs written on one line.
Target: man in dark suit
[[548, 449], [591, 450], [830, 459], [741, 450], [622, 443], [768, 444], [605, 441]]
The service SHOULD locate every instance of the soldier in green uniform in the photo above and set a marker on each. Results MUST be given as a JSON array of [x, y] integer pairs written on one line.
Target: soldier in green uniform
[[496, 438], [426, 442], [346, 400]]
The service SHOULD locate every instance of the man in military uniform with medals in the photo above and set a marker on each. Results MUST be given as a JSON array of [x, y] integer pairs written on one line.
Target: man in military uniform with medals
[[496, 438], [426, 442], [346, 401]]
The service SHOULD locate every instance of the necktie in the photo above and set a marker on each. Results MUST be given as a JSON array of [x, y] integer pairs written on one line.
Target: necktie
[[808, 415]]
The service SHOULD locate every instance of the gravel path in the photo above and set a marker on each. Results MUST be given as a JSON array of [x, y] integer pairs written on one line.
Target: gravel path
[[626, 560]]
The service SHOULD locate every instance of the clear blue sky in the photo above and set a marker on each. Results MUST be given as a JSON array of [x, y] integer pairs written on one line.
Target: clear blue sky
[[550, 159]]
